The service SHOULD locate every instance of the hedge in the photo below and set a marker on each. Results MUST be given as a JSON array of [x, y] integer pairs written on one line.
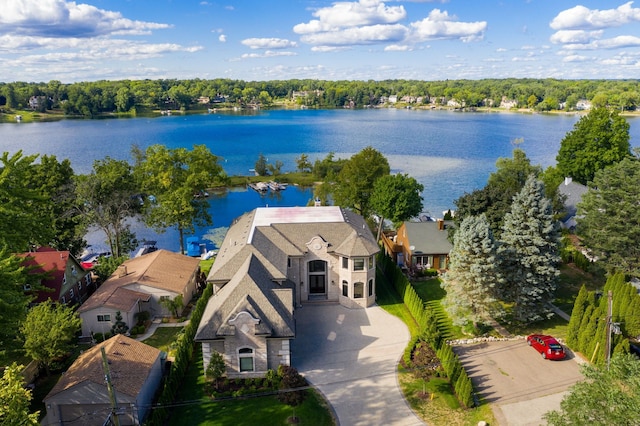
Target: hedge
[[429, 331], [183, 354]]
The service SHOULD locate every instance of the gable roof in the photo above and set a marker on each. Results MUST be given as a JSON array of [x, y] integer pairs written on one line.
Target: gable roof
[[130, 363], [427, 238], [53, 264], [573, 192], [273, 234], [160, 269], [250, 290]]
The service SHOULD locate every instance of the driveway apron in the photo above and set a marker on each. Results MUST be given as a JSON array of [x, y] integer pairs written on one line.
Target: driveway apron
[[350, 355]]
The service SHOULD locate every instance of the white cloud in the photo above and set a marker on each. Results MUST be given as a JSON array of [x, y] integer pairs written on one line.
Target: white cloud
[[610, 43], [398, 48], [439, 25], [267, 54], [222, 38], [358, 35], [351, 14], [59, 18], [574, 36], [580, 17], [575, 58], [329, 48], [269, 43]]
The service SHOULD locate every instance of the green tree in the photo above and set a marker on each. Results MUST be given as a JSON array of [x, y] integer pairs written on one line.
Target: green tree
[[24, 211], [15, 399], [473, 277], [13, 299], [174, 176], [606, 396], [107, 266], [598, 140], [119, 326], [354, 183], [579, 308], [261, 165], [290, 380], [303, 165], [106, 198], [496, 197], [216, 368], [172, 305], [49, 330], [529, 253], [609, 218], [55, 180], [397, 198]]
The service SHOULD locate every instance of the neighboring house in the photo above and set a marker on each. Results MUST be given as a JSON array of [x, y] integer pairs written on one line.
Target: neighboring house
[[138, 285], [272, 261], [81, 397], [420, 245], [572, 193], [69, 282]]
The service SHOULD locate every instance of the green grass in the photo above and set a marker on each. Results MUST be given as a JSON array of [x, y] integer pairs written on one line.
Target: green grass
[[195, 408], [163, 337], [569, 283], [444, 409], [432, 294], [390, 301]]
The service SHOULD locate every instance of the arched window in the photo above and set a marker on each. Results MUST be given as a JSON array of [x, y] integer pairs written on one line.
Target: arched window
[[317, 277], [358, 290], [345, 288], [245, 359]]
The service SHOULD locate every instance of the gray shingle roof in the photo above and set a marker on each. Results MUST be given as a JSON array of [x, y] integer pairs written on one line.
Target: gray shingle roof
[[251, 290], [427, 238], [573, 192]]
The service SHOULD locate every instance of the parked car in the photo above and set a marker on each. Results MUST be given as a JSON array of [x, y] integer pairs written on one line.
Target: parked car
[[548, 346]]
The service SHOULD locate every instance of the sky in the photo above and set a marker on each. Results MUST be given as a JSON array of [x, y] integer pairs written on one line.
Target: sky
[[258, 40]]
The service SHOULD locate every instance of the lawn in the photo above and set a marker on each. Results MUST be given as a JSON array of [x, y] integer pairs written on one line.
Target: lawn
[[193, 406], [163, 338], [444, 408]]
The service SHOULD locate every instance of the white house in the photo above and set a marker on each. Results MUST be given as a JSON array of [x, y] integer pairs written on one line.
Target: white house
[[272, 261]]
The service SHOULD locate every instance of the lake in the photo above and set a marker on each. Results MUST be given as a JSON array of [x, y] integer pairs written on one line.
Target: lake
[[449, 152]]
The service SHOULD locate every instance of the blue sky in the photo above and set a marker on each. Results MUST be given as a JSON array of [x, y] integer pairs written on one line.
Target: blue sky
[[86, 40]]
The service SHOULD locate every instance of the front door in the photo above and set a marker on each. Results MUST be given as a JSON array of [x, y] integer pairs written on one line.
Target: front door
[[317, 284], [317, 277]]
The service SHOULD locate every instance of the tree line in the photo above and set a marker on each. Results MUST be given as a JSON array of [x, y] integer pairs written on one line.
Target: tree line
[[130, 96]]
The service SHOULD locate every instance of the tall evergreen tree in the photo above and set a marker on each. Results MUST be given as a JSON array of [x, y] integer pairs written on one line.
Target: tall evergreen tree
[[473, 275], [579, 307], [529, 250]]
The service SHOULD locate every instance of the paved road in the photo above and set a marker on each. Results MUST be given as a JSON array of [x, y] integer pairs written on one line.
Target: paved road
[[517, 381], [350, 355]]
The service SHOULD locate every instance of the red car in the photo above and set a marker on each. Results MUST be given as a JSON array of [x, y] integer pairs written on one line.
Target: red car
[[548, 346]]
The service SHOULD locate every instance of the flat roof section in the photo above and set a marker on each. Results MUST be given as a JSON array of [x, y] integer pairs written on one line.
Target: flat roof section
[[266, 216]]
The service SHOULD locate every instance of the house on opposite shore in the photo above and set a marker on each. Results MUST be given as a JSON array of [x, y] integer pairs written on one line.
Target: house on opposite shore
[[420, 245], [81, 397], [68, 282], [572, 193], [138, 285], [272, 261]]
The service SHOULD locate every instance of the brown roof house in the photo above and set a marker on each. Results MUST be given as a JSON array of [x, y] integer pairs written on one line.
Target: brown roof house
[[138, 285], [273, 260], [68, 281], [420, 245], [81, 397]]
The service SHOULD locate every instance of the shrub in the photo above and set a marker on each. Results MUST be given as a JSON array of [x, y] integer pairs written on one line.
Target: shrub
[[142, 317]]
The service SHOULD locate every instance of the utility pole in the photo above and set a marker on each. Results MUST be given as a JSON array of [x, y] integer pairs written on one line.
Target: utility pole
[[110, 389], [608, 325]]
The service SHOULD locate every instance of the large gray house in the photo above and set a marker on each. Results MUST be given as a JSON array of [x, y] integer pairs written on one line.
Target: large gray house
[[272, 261]]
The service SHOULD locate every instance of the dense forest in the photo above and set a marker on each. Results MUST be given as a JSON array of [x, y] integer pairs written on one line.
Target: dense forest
[[131, 96]]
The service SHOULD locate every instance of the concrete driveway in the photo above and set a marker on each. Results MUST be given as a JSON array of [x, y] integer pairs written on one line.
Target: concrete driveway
[[350, 355], [517, 381]]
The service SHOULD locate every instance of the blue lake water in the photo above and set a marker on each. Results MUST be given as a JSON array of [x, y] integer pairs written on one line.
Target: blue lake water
[[450, 153]]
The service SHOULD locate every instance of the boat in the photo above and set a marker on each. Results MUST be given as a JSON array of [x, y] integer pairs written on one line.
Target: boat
[[276, 186], [18, 118], [259, 186]]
